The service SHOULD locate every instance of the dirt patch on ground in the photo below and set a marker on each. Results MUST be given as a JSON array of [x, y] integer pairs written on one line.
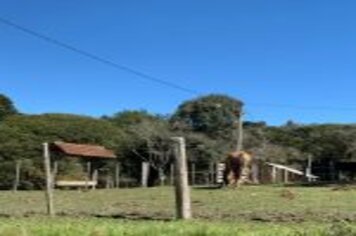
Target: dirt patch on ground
[[343, 188], [281, 217], [268, 217]]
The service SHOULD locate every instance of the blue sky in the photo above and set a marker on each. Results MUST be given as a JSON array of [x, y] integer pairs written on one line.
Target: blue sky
[[278, 52]]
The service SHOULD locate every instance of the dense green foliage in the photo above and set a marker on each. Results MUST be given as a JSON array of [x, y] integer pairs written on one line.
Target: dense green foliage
[[208, 123], [21, 138], [214, 115], [7, 107]]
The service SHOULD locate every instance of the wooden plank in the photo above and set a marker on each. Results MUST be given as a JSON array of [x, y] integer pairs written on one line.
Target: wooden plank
[[220, 173], [75, 183], [289, 169]]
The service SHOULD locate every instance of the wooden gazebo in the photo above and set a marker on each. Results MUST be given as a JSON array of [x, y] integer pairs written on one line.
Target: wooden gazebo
[[87, 152]]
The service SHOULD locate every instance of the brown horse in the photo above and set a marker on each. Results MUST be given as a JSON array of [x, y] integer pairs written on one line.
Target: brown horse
[[237, 168]]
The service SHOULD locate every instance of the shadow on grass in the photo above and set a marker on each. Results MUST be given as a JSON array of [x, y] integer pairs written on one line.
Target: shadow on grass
[[326, 184], [208, 187], [135, 217], [123, 216]]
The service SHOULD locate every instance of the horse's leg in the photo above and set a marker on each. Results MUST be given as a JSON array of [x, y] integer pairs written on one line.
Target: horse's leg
[[231, 179]]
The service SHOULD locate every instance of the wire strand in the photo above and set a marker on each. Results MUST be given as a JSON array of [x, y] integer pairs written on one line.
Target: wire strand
[[150, 77], [96, 57]]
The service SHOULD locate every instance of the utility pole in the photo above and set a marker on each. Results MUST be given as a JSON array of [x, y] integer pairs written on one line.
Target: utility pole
[[239, 132]]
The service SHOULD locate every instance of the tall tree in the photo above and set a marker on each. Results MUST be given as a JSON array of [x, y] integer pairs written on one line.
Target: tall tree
[[213, 115], [7, 107], [147, 138]]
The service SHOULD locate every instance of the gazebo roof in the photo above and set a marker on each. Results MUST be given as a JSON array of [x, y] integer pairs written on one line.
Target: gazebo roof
[[83, 150]]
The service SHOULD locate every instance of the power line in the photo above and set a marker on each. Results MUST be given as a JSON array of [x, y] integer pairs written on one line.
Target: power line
[[301, 107], [146, 76], [96, 57]]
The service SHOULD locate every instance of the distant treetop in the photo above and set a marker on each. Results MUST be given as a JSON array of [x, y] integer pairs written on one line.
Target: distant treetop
[[211, 114], [7, 107]]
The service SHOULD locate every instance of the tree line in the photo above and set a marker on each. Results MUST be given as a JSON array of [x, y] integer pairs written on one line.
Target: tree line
[[208, 123]]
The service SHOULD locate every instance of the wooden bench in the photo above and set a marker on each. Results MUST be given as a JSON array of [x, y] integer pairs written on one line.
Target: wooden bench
[[76, 183]]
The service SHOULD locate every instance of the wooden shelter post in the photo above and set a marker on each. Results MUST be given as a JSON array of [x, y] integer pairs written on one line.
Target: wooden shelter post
[[117, 175], [286, 176], [87, 151], [88, 175], [94, 178], [274, 174]]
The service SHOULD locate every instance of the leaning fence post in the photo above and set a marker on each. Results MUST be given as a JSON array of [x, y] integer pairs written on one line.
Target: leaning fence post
[[49, 186], [182, 191]]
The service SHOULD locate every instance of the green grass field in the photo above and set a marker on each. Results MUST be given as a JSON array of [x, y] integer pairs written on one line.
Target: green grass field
[[102, 227], [252, 210]]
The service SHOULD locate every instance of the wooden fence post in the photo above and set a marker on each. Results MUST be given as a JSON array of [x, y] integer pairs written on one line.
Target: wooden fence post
[[94, 179], [255, 172], [117, 175], [212, 173], [172, 174], [49, 186], [192, 173], [182, 191], [308, 171], [145, 173], [17, 175], [54, 173]]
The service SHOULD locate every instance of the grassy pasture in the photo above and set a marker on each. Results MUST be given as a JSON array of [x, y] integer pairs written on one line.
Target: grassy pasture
[[110, 227], [252, 210]]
